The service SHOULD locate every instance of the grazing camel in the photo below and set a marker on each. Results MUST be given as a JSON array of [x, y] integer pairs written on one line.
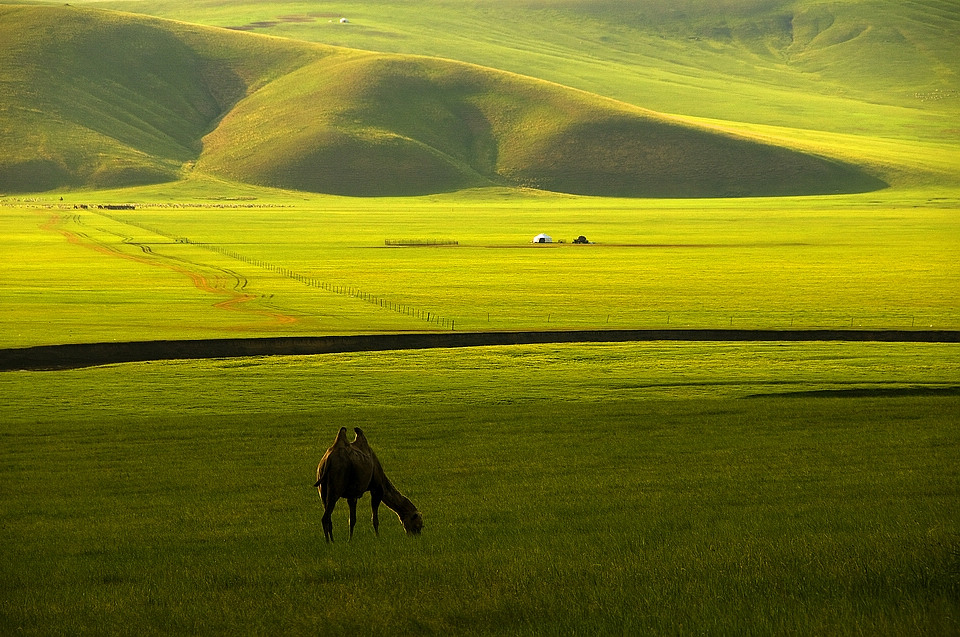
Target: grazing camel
[[348, 470]]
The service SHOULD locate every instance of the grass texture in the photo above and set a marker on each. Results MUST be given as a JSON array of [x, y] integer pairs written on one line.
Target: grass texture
[[550, 506], [637, 488], [286, 266]]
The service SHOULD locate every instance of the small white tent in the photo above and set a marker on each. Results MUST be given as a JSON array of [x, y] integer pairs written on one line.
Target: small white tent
[[543, 238]]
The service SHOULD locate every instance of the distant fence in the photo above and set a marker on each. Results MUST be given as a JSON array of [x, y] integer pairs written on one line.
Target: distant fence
[[422, 314], [49, 357], [421, 242]]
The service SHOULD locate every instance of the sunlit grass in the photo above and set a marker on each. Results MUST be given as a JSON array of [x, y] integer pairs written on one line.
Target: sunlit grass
[[365, 124], [278, 264], [796, 64], [576, 489]]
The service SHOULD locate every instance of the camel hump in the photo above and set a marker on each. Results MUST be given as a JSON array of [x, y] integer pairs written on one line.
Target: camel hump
[[361, 439], [341, 439]]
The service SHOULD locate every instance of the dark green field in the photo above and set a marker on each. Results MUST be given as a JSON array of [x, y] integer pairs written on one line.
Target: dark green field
[[657, 496]]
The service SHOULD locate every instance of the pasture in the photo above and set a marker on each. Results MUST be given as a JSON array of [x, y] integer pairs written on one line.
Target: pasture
[[619, 488], [708, 488], [279, 265], [600, 488]]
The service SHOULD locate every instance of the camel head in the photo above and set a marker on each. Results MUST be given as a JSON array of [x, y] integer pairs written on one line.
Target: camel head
[[413, 523]]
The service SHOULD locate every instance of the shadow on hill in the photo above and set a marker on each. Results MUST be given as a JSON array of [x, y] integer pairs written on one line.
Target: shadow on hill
[[34, 175], [642, 157], [866, 392], [381, 125], [301, 116]]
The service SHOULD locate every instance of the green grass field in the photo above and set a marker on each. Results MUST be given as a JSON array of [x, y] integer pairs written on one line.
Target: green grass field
[[285, 266], [565, 489], [313, 117], [645, 488], [653, 497], [620, 488], [869, 68]]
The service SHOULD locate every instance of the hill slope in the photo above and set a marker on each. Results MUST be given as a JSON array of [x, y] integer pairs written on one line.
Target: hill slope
[[104, 99], [885, 68], [101, 99]]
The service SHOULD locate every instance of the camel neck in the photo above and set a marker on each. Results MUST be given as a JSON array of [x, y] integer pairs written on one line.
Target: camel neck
[[397, 501]]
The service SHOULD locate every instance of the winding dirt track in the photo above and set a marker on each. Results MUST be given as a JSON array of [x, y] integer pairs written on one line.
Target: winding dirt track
[[217, 283], [71, 356]]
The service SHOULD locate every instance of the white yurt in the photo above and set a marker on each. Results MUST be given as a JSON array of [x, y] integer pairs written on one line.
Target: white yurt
[[543, 238]]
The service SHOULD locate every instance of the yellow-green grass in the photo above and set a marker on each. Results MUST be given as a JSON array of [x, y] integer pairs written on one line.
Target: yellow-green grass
[[576, 489], [877, 67], [373, 124], [102, 99], [282, 265], [309, 117], [910, 164], [624, 488]]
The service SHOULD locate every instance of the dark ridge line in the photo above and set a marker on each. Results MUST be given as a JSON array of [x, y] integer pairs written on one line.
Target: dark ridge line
[[866, 392], [77, 355]]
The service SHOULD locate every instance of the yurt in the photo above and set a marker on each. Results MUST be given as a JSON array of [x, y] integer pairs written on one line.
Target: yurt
[[543, 238]]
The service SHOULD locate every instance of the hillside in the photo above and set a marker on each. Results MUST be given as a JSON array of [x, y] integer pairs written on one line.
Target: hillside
[[103, 99], [871, 67], [100, 99], [365, 124]]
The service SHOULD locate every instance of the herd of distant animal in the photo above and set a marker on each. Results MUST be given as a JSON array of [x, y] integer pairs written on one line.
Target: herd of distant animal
[[350, 469]]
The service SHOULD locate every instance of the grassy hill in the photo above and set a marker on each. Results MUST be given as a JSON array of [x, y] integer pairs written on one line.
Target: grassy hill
[[365, 124], [103, 99], [874, 67], [100, 99]]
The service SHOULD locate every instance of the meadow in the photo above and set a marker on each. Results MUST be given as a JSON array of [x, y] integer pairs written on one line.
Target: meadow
[[283, 266], [618, 488], [638, 488], [635, 488]]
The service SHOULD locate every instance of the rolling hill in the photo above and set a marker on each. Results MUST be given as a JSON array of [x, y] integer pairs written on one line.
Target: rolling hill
[[884, 68], [103, 99]]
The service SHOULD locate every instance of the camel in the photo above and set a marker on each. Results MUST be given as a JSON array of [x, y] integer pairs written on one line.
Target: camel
[[350, 469]]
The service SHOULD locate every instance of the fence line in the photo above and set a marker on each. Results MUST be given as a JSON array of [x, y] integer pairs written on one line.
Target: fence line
[[560, 319], [421, 242], [342, 290]]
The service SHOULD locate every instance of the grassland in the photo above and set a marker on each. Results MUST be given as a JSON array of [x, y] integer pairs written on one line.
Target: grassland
[[869, 68], [298, 268], [639, 488], [625, 488], [566, 489], [323, 119]]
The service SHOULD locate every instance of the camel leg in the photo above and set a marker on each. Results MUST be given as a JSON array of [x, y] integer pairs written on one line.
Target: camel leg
[[375, 503], [353, 514], [326, 521]]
